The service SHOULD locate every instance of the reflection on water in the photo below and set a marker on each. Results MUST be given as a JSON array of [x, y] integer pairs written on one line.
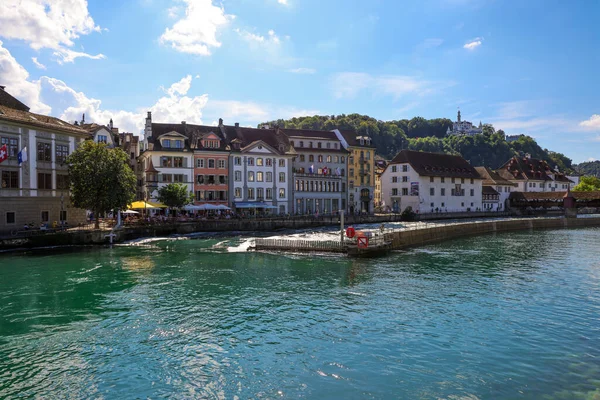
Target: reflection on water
[[500, 316]]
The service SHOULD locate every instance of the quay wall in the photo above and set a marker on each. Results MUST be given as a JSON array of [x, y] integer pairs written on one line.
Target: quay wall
[[417, 237]]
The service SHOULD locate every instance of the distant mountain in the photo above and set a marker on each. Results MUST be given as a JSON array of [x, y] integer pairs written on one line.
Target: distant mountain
[[591, 168], [488, 149]]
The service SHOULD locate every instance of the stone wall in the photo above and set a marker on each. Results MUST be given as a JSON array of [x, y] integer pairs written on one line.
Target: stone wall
[[29, 210]]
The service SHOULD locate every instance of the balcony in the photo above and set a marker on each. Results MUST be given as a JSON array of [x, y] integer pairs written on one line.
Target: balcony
[[317, 176]]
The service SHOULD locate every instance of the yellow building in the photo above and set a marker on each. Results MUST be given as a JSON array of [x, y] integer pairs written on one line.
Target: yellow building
[[380, 165], [361, 171]]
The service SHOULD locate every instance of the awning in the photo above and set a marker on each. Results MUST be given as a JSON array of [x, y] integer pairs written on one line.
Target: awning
[[141, 204], [157, 204], [257, 204], [200, 207]]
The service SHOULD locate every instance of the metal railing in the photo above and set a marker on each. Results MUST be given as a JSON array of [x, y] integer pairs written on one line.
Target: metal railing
[[299, 245]]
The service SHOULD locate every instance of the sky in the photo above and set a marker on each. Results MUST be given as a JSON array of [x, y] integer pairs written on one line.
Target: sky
[[527, 67]]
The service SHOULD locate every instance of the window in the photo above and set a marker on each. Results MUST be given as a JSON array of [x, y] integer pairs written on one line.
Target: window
[[311, 158], [328, 145], [394, 179], [259, 162], [200, 163], [472, 192], [328, 159], [251, 193], [405, 179], [63, 215], [269, 162], [62, 182], [432, 205], [292, 143], [310, 144], [404, 191], [320, 159], [238, 176], [200, 179], [166, 162], [44, 181], [250, 161], [11, 217], [432, 191], [462, 204], [237, 192], [431, 179], [259, 177], [462, 180], [167, 178], [238, 161], [343, 159], [178, 144], [337, 159], [282, 163], [250, 176], [301, 143], [45, 216], [319, 145], [43, 152], [443, 204], [443, 181], [302, 158], [405, 168], [260, 193], [179, 178], [453, 180], [10, 179], [282, 177], [394, 192], [472, 181], [165, 143], [269, 177], [102, 139], [12, 145], [269, 195], [62, 152], [211, 163], [443, 193], [221, 164], [178, 162], [394, 168], [282, 193]]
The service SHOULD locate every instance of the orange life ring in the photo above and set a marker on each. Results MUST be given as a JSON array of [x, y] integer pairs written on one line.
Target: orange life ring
[[350, 232]]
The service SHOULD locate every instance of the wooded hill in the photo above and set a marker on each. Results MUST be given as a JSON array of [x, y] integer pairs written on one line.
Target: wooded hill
[[591, 168], [488, 149]]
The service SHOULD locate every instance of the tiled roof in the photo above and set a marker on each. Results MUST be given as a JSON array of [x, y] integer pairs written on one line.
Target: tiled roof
[[491, 177], [525, 169], [38, 121], [7, 100], [273, 137], [351, 139], [554, 196], [436, 164], [489, 190], [193, 134], [309, 133]]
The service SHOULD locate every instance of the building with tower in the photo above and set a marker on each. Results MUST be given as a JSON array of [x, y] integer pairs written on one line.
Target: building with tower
[[460, 127]]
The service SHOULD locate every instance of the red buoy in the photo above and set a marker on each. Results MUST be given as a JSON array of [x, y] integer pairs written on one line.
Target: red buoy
[[350, 232]]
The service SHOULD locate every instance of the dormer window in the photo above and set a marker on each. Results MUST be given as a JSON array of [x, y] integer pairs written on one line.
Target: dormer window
[[178, 144], [166, 143]]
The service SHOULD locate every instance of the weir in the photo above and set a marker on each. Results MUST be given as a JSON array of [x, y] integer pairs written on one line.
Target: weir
[[424, 233]]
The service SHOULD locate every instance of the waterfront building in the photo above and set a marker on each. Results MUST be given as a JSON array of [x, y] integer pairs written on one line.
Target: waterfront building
[[100, 133], [534, 175], [380, 165], [496, 189], [36, 190], [318, 171], [261, 169], [361, 170], [431, 182], [460, 127], [130, 144], [166, 157], [211, 165]]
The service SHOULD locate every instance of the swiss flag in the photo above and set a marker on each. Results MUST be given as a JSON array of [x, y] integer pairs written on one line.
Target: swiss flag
[[3, 153]]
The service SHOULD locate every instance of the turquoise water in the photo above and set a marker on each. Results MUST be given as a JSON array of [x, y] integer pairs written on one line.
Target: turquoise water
[[504, 316]]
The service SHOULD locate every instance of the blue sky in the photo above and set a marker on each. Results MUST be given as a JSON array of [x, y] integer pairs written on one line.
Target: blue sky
[[525, 66]]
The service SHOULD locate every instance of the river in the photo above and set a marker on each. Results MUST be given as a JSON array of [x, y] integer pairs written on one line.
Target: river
[[503, 316]]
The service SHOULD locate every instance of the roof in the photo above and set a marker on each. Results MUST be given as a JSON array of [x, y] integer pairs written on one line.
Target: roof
[[193, 134], [6, 99], [526, 169], [272, 137], [436, 164], [489, 190], [310, 133], [150, 167], [491, 177], [351, 139], [38, 121], [554, 196]]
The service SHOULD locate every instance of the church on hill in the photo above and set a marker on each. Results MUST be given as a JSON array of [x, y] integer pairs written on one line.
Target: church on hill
[[460, 127]]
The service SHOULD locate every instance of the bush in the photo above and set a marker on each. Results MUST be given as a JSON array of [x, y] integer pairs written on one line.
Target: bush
[[408, 214]]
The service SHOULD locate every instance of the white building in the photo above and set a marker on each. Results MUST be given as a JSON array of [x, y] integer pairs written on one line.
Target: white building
[[500, 188], [460, 127], [430, 183], [166, 158], [534, 175], [260, 170]]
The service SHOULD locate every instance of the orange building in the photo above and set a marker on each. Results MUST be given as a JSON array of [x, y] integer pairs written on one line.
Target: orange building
[[211, 167]]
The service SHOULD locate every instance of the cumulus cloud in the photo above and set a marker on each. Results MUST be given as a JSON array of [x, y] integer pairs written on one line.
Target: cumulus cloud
[[37, 63], [16, 80], [593, 123], [284, 2], [48, 24], [270, 40], [473, 43], [196, 32], [350, 84]]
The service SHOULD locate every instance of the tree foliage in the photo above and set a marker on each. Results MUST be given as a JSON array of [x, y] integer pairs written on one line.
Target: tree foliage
[[389, 137], [591, 168], [588, 184], [175, 195], [101, 180]]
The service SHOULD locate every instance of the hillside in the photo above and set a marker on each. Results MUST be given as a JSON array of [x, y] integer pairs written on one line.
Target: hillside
[[591, 168], [489, 149]]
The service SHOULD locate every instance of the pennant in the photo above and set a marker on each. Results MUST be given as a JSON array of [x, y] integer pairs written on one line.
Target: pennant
[[22, 156], [3, 153]]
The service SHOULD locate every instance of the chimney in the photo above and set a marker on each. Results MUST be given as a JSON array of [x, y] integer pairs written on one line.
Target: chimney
[[220, 121], [183, 123], [111, 124], [237, 124]]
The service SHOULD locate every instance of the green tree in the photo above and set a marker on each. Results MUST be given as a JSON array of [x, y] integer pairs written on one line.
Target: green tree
[[587, 184], [175, 195], [101, 179]]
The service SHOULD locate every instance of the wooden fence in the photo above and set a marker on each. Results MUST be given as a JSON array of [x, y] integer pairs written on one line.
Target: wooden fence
[[329, 246]]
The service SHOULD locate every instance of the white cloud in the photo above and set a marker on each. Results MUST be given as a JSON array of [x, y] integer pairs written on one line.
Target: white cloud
[[251, 113], [303, 70], [37, 63], [350, 84], [196, 33], [270, 40], [16, 80], [593, 123], [430, 43], [173, 12], [284, 2], [473, 43], [591, 159], [48, 24]]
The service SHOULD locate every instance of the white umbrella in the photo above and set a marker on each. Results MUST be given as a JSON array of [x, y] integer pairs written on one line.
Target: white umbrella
[[129, 212], [223, 207]]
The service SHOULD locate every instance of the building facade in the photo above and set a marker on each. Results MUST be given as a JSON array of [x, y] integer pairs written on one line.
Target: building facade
[[361, 171], [533, 175], [37, 190], [380, 165], [211, 168], [318, 171], [431, 183], [460, 127], [502, 188]]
